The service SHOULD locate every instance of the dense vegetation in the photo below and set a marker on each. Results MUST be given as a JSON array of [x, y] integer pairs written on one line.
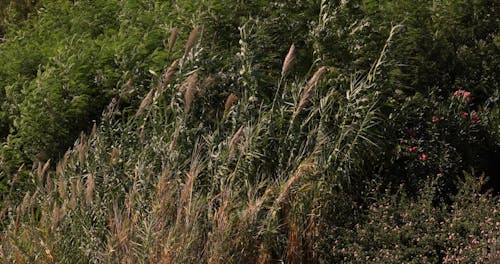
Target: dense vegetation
[[250, 131]]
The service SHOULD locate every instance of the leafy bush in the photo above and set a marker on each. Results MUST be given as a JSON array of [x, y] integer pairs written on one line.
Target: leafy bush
[[399, 229], [55, 85]]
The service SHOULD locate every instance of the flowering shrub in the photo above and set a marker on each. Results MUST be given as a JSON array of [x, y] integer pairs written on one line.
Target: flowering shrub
[[400, 230], [437, 135]]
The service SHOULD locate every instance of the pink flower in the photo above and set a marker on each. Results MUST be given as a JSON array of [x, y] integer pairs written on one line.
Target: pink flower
[[435, 119], [412, 149], [465, 94], [465, 114], [458, 92], [422, 157], [475, 118]]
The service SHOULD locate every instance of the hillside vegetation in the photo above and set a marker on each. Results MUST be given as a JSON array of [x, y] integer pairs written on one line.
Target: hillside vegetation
[[251, 132]]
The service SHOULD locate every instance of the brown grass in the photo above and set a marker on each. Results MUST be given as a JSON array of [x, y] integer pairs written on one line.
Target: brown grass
[[89, 191], [145, 103], [310, 86], [172, 39], [191, 40], [289, 61], [207, 84], [306, 166], [115, 154], [229, 102], [166, 78], [61, 184], [234, 141], [190, 88]]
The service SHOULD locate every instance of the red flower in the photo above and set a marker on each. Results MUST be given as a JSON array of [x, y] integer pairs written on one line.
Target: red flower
[[465, 114], [412, 149], [474, 117], [411, 132], [435, 119], [422, 157]]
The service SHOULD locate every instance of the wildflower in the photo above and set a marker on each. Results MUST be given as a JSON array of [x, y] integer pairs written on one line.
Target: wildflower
[[422, 157], [465, 94], [475, 118], [435, 119], [411, 132], [465, 114], [412, 149]]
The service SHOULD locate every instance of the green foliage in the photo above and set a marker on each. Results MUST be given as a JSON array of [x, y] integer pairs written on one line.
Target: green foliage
[[399, 229], [55, 84], [357, 151]]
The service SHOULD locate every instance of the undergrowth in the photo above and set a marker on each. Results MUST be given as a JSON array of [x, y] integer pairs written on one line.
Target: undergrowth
[[292, 157]]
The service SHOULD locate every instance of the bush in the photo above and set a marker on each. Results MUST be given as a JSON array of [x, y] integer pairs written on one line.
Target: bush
[[398, 229]]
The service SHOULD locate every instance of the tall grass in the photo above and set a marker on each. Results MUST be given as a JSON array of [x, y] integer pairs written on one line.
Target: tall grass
[[181, 182]]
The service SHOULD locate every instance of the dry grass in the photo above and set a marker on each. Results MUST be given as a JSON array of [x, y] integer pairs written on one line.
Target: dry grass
[[235, 140], [309, 88], [189, 88], [181, 193], [145, 103], [229, 102], [171, 40], [289, 61], [193, 36], [89, 190]]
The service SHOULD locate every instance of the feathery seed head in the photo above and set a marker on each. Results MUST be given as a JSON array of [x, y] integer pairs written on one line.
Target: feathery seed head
[[145, 103], [169, 74], [62, 187], [190, 87], [55, 216], [166, 78], [115, 153], [234, 141], [191, 40], [207, 84], [311, 84], [172, 39], [229, 102], [90, 188], [289, 61]]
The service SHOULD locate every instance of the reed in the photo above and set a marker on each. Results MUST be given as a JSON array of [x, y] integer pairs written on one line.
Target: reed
[[289, 61], [229, 102], [309, 88], [89, 190], [193, 36], [145, 103], [171, 40], [189, 88]]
